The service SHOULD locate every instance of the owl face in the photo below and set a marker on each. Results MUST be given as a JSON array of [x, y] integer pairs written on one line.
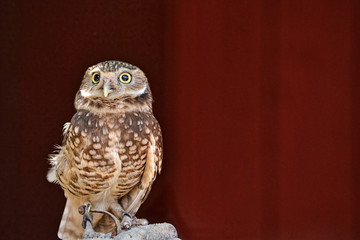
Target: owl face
[[113, 80], [113, 86]]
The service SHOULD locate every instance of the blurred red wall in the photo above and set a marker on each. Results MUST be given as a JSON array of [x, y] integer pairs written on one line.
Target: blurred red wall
[[258, 102]]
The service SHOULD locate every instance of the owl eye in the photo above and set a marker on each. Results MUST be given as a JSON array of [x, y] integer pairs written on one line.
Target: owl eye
[[96, 78], [125, 77]]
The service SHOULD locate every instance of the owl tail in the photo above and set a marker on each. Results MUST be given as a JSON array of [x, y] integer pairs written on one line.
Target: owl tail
[[70, 226]]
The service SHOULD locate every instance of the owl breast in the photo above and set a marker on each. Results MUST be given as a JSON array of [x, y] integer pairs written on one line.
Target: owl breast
[[107, 151]]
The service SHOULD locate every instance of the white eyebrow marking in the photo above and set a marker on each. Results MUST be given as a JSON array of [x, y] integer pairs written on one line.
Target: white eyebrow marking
[[139, 92], [85, 93], [97, 69]]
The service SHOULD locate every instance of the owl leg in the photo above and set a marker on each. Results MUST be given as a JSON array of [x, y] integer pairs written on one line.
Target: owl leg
[[127, 220], [131, 202], [88, 221], [87, 215], [118, 211]]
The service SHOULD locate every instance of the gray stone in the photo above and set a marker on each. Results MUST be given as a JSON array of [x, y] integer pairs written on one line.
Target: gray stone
[[158, 231]]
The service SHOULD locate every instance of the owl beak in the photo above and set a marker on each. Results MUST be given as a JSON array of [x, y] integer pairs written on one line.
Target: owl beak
[[106, 88]]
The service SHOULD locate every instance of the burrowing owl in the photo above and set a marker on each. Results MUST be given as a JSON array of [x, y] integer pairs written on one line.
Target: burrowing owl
[[112, 148]]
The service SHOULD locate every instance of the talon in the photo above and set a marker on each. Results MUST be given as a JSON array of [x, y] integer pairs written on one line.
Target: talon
[[139, 222], [126, 225]]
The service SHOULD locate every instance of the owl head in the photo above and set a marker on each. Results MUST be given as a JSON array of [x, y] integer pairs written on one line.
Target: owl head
[[113, 84]]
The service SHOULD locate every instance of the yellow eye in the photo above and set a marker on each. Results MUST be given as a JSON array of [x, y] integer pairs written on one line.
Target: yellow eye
[[125, 77], [96, 78]]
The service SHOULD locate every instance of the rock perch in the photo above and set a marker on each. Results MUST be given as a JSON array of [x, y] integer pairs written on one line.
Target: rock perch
[[158, 231]]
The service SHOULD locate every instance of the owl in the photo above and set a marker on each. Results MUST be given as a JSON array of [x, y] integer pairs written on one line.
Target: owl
[[111, 151]]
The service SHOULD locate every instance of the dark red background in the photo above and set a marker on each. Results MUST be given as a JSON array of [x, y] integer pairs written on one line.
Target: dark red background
[[258, 102]]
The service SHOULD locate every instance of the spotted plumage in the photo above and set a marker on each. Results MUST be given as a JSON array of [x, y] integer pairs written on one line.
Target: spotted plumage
[[112, 148]]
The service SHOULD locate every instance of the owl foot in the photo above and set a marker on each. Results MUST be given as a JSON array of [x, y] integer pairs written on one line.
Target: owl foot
[[86, 211], [128, 222], [88, 221], [90, 233], [139, 222]]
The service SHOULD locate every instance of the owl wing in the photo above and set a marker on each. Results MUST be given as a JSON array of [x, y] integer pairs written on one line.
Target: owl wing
[[133, 200], [153, 164], [69, 226], [57, 160]]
